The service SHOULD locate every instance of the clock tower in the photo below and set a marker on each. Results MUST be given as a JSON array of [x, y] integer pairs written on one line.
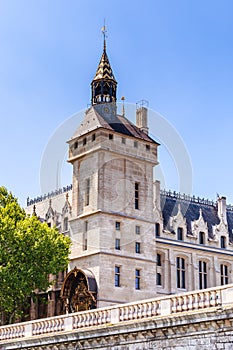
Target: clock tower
[[112, 225]]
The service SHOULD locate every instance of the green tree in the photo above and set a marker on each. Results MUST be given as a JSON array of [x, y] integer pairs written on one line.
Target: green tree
[[30, 251]]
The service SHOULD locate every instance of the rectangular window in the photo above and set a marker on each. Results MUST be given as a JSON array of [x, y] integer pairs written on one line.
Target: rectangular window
[[201, 238], [117, 244], [137, 230], [136, 144], [180, 272], [93, 137], [87, 192], [224, 274], [84, 141], [202, 275], [158, 279], [157, 229], [76, 144], [147, 147], [137, 279], [136, 195], [180, 234], [118, 225], [123, 140], [117, 276], [137, 247], [110, 136]]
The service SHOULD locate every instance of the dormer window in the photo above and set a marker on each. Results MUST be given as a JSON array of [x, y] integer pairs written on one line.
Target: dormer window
[[201, 238], [180, 234], [65, 224], [223, 242]]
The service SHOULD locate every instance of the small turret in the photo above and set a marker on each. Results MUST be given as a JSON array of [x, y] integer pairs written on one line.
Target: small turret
[[104, 84]]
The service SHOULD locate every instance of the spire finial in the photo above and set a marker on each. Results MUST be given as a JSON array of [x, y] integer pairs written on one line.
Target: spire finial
[[104, 32], [123, 105]]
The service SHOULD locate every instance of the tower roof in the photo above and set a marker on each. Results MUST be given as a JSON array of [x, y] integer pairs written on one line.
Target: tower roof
[[104, 70]]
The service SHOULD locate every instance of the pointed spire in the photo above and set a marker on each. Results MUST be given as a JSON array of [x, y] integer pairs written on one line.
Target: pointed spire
[[104, 83]]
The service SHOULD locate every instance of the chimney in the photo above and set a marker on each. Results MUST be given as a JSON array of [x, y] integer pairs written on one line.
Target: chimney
[[141, 116], [222, 214]]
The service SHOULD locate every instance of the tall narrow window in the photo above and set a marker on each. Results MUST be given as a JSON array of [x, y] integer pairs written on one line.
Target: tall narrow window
[[201, 238], [84, 141], [117, 244], [137, 247], [224, 274], [87, 192], [137, 279], [223, 242], [117, 276], [180, 234], [157, 229], [202, 275], [85, 235], [137, 230], [180, 272], [136, 196], [93, 137]]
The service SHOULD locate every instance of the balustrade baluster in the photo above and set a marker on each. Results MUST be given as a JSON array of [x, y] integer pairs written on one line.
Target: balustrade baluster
[[174, 305]]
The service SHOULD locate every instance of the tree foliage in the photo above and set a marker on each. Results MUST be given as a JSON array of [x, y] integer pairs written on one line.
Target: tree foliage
[[30, 251]]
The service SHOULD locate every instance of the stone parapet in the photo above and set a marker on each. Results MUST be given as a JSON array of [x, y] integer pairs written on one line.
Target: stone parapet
[[187, 314]]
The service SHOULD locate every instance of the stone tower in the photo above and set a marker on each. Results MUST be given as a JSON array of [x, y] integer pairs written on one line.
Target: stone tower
[[112, 225]]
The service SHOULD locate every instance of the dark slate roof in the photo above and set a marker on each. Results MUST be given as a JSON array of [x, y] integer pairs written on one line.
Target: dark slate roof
[[190, 210], [230, 223], [126, 127], [118, 123]]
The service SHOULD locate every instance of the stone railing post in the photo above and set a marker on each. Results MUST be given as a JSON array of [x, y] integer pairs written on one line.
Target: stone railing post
[[28, 330], [115, 315], [227, 296], [165, 307], [68, 323]]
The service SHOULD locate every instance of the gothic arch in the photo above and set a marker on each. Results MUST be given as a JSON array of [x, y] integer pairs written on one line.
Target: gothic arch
[[79, 290]]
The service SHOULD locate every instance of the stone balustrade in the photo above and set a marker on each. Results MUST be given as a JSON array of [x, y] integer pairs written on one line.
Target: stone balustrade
[[189, 302]]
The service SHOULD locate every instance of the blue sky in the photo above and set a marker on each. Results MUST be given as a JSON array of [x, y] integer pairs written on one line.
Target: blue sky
[[178, 55]]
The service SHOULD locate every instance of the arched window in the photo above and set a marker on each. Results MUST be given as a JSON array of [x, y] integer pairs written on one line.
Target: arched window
[[224, 274], [202, 274], [180, 272]]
